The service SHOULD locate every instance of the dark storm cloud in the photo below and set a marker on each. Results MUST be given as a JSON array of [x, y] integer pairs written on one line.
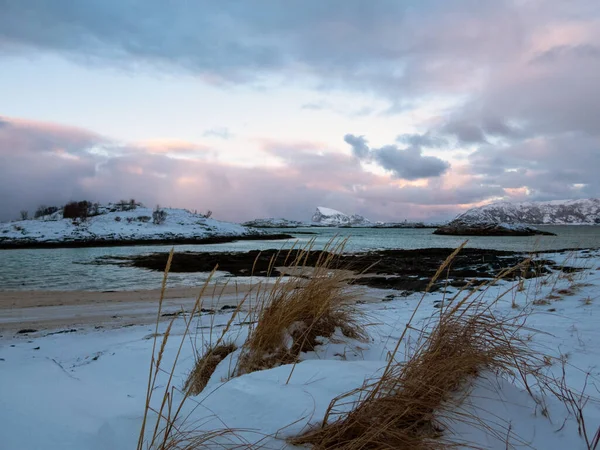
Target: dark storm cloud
[[408, 163], [550, 168], [356, 43]]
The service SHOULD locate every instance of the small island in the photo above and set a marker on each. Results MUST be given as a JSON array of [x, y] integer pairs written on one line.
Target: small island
[[87, 224], [463, 228]]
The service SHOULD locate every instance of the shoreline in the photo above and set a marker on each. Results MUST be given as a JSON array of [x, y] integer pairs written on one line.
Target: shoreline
[[71, 311], [14, 245]]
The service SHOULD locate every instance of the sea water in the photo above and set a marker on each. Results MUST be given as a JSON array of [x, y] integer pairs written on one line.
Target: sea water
[[74, 268]]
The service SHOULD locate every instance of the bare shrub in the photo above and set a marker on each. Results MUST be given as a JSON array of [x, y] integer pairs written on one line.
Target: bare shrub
[[77, 210], [159, 216], [24, 214], [44, 210]]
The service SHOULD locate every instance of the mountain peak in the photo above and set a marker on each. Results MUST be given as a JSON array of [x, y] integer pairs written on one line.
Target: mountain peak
[[324, 216]]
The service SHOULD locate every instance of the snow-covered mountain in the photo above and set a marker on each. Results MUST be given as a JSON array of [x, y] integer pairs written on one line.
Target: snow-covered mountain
[[327, 217], [274, 223], [111, 224], [556, 212]]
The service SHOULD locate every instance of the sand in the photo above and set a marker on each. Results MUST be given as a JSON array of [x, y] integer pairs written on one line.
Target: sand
[[65, 310]]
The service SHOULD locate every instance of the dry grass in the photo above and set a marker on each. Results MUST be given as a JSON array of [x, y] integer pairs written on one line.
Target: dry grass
[[205, 366], [294, 314], [402, 410], [408, 407], [168, 432]]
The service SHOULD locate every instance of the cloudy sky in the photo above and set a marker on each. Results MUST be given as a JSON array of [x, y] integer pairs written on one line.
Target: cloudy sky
[[391, 109]]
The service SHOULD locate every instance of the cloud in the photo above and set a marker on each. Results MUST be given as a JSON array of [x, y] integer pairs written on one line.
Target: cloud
[[51, 164], [360, 149], [221, 132], [422, 140], [315, 106], [392, 47], [548, 167], [408, 163], [522, 110]]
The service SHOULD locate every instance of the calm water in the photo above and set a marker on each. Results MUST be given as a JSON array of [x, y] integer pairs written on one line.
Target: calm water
[[70, 268]]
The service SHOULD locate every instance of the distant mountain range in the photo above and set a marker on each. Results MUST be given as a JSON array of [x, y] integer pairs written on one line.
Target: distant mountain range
[[328, 217], [556, 212]]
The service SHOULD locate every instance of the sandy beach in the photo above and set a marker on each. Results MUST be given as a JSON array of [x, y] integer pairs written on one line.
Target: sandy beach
[[57, 310]]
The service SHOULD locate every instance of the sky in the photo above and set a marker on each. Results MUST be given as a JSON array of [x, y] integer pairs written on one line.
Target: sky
[[395, 110]]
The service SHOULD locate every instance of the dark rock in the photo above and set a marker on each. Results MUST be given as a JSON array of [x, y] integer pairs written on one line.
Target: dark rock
[[226, 307], [403, 270], [72, 330], [464, 228], [26, 331]]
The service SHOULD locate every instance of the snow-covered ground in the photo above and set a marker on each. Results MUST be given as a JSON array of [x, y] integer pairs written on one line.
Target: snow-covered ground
[[86, 389], [136, 224]]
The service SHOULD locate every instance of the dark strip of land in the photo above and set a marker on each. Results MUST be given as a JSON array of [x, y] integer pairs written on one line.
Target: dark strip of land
[[22, 244], [406, 270]]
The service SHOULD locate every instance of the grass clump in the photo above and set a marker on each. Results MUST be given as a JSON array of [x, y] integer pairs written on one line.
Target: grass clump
[[405, 408], [295, 313], [205, 367]]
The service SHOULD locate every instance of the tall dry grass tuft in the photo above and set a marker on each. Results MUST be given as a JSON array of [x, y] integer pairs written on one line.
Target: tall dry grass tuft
[[169, 431], [205, 367], [291, 316], [406, 407]]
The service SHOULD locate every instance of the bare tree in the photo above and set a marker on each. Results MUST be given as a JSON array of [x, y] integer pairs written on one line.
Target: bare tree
[[24, 214], [159, 216]]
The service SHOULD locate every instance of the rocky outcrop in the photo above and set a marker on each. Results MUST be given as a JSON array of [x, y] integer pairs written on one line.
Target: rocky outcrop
[[460, 227], [327, 217]]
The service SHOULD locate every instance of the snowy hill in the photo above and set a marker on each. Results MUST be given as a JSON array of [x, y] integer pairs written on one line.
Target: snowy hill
[[109, 224], [557, 212], [327, 217], [274, 223]]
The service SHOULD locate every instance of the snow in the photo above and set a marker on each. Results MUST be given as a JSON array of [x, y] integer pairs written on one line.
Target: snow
[[274, 223], [555, 212], [330, 217], [86, 390], [130, 225], [329, 211]]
